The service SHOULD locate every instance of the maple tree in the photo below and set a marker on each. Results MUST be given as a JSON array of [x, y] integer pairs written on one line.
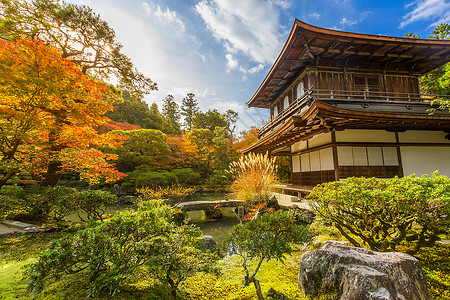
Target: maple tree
[[48, 111], [246, 139], [111, 125], [182, 151], [81, 37]]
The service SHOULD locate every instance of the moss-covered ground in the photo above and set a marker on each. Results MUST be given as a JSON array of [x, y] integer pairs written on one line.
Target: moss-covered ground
[[17, 253]]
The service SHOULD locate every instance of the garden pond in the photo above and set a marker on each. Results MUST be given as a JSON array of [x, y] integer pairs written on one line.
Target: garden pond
[[219, 230]]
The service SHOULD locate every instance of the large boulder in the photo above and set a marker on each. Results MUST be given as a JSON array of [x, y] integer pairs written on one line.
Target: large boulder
[[342, 272]]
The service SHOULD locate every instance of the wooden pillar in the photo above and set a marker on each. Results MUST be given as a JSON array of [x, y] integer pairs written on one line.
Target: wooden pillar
[[399, 156], [335, 155]]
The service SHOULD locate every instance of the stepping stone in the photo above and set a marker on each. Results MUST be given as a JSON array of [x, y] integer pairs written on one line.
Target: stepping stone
[[17, 224], [5, 230]]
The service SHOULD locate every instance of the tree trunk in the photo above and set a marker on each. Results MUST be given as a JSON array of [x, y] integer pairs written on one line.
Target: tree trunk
[[207, 170], [258, 289], [231, 145], [5, 178], [173, 287], [52, 176]]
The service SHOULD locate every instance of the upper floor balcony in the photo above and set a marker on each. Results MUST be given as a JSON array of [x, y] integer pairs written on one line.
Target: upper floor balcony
[[369, 101]]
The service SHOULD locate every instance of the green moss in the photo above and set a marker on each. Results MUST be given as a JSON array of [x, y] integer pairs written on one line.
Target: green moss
[[436, 266], [12, 282], [229, 285], [18, 252]]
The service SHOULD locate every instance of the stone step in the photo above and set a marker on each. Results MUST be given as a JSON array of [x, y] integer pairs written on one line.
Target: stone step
[[17, 224]]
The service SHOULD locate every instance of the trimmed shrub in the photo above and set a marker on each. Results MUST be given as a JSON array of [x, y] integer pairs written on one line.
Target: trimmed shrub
[[94, 203], [155, 178], [186, 176], [63, 201], [219, 179], [269, 236], [386, 212]]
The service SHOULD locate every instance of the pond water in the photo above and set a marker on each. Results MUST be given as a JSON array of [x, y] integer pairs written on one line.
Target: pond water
[[219, 230]]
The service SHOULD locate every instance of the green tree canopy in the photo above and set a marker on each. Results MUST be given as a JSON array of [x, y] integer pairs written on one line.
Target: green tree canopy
[[142, 147], [436, 81], [270, 236], [209, 120], [137, 112]]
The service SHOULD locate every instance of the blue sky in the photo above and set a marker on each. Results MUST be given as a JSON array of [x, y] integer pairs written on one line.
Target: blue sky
[[221, 50]]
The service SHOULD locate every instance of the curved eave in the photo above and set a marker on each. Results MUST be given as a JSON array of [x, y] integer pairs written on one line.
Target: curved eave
[[298, 53], [270, 137], [321, 117]]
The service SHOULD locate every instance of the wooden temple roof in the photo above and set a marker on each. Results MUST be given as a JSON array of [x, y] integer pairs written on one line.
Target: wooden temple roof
[[307, 45]]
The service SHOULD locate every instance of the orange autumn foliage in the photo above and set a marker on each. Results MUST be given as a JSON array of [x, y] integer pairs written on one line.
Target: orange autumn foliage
[[246, 139], [183, 154], [111, 125], [48, 112]]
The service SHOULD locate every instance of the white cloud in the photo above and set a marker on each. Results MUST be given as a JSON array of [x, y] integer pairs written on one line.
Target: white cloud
[[256, 69], [314, 16], [284, 4], [436, 10], [147, 8], [168, 16], [346, 22], [179, 61], [232, 63], [250, 27]]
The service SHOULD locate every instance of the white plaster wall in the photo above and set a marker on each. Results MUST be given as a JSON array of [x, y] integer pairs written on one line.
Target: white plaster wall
[[315, 160], [304, 158], [298, 146], [296, 163], [360, 156], [425, 160], [363, 136], [326, 159], [345, 155], [319, 140], [422, 136], [375, 156], [390, 156]]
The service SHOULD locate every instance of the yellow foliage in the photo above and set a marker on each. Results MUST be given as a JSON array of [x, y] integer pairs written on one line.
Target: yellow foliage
[[170, 192]]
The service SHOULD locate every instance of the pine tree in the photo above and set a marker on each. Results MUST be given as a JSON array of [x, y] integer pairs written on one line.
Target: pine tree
[[189, 108], [171, 112]]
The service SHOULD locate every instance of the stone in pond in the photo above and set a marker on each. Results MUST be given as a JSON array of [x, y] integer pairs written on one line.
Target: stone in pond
[[350, 273], [208, 243]]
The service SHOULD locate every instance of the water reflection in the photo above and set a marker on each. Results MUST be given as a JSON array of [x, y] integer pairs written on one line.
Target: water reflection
[[219, 230]]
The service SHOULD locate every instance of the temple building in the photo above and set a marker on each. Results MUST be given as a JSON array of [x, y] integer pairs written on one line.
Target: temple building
[[348, 104]]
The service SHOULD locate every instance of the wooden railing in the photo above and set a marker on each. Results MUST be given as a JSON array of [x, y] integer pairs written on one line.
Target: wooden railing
[[374, 95], [327, 95]]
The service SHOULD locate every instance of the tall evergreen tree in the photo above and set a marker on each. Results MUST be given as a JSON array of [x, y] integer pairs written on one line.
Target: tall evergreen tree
[[171, 112], [231, 117], [209, 120], [189, 107]]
